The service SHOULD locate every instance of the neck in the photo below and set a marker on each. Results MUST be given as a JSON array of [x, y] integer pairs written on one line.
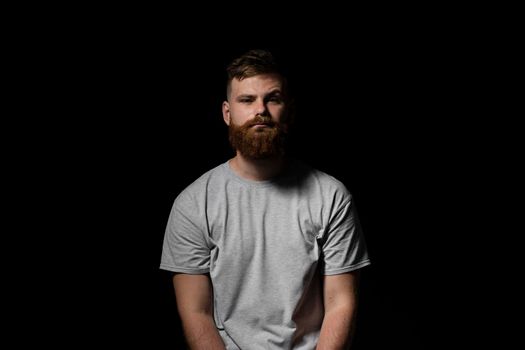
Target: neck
[[257, 169]]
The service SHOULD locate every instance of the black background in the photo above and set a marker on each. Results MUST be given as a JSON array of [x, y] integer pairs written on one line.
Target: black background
[[380, 125], [135, 114]]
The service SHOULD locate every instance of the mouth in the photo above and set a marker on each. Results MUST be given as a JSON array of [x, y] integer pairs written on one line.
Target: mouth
[[260, 125]]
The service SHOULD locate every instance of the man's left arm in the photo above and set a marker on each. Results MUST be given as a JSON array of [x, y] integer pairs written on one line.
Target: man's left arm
[[340, 303]]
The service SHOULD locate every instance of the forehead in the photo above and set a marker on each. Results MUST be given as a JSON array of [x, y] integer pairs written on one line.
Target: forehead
[[257, 84]]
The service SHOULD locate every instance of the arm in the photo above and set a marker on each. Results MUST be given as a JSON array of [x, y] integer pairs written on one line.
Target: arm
[[340, 302], [195, 305]]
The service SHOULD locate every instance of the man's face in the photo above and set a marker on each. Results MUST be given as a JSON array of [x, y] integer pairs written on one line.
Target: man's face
[[255, 113]]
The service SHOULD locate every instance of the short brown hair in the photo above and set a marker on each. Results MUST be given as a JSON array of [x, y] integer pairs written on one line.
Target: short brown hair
[[251, 63]]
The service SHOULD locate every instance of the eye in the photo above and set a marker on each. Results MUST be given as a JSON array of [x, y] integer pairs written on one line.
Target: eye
[[245, 100], [275, 99]]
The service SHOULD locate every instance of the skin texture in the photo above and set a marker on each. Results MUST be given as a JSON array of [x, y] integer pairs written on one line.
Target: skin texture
[[195, 305], [340, 301]]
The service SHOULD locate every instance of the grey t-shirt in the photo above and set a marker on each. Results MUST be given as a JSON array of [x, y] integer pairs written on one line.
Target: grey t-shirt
[[266, 245]]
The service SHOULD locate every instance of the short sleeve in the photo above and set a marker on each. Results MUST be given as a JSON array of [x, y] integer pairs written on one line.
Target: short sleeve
[[185, 247], [343, 244]]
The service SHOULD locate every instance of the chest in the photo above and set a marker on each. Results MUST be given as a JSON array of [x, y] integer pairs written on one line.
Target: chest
[[262, 225]]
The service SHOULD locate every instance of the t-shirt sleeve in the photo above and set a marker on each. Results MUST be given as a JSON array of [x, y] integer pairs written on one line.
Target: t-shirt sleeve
[[185, 248], [343, 244]]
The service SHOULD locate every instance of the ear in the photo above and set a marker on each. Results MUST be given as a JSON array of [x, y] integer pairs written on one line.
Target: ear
[[226, 112]]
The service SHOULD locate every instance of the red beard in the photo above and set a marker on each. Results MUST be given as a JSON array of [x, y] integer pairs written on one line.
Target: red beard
[[257, 143]]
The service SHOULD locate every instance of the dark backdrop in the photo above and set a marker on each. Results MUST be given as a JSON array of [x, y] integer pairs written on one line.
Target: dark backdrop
[[381, 115]]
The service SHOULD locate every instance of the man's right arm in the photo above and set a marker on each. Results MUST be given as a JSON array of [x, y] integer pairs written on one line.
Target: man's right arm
[[195, 304]]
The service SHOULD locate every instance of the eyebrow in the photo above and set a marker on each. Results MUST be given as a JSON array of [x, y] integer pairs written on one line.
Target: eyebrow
[[275, 92], [269, 94]]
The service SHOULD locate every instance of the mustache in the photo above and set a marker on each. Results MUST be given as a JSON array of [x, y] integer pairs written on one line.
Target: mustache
[[259, 120]]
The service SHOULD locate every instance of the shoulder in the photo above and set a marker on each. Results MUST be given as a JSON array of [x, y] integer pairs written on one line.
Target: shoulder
[[199, 186], [318, 180]]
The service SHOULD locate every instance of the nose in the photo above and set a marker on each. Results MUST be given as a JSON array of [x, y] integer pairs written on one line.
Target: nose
[[260, 108]]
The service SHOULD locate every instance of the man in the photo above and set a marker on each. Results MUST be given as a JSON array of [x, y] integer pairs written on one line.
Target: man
[[265, 249]]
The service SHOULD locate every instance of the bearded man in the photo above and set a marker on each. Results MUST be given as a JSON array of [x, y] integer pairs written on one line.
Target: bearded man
[[265, 249]]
